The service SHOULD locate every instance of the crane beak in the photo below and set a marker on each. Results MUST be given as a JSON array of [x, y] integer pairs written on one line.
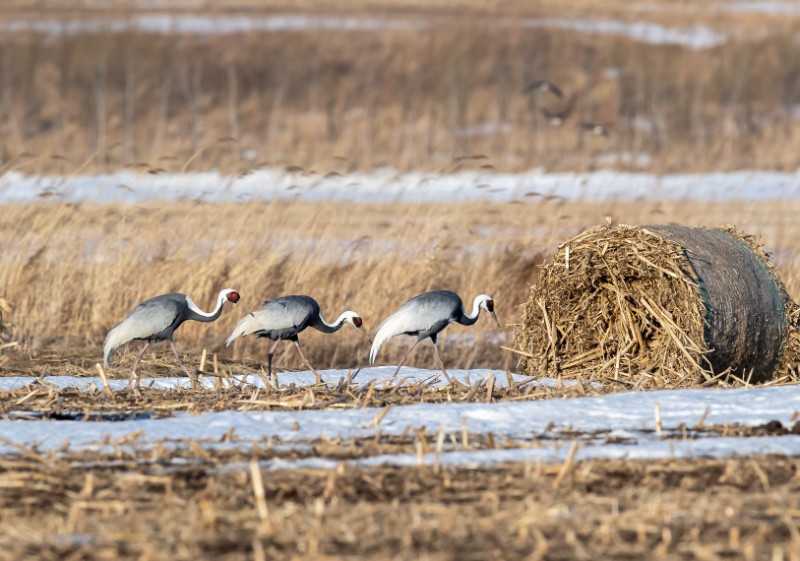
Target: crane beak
[[364, 333], [246, 309], [497, 321]]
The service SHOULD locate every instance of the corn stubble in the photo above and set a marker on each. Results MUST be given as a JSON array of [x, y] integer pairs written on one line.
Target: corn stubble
[[694, 508]]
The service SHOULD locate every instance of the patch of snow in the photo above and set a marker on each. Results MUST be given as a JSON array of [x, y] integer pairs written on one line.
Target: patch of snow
[[201, 24], [649, 449], [361, 377], [696, 37], [556, 452], [639, 160], [632, 414], [764, 7], [387, 185]]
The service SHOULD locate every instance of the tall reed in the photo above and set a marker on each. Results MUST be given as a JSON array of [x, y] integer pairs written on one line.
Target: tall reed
[[413, 98], [71, 271]]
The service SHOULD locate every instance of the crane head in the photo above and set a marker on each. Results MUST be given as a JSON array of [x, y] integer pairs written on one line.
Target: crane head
[[487, 303], [356, 321], [233, 296]]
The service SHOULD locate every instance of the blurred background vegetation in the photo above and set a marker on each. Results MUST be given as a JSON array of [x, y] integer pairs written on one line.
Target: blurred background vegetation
[[399, 86]]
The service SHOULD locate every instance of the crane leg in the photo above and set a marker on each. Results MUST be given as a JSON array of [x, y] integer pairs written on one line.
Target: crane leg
[[405, 357], [180, 363], [139, 355], [441, 363], [299, 350], [269, 359]]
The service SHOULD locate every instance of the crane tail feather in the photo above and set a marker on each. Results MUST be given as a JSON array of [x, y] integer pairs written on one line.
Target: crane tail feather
[[386, 331], [114, 340], [248, 324]]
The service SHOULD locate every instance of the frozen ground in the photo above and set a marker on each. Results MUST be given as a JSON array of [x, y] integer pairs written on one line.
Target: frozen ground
[[386, 185], [765, 7], [614, 426], [362, 377], [693, 37]]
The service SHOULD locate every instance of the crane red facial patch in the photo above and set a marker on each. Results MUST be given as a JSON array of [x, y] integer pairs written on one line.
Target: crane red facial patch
[[490, 305], [233, 297], [357, 321]]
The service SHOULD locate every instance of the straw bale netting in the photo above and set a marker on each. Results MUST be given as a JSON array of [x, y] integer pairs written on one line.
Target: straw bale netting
[[659, 306]]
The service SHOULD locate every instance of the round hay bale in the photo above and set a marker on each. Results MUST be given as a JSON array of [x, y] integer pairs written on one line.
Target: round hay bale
[[659, 306], [5, 308]]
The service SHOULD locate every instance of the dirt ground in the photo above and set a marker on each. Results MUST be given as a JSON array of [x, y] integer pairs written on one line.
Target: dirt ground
[[189, 500], [197, 499], [148, 508]]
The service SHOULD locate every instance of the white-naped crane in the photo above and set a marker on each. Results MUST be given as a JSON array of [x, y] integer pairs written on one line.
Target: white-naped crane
[[425, 316], [157, 319], [282, 319]]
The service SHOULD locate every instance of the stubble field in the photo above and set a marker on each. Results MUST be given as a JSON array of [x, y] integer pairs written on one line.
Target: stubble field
[[495, 465]]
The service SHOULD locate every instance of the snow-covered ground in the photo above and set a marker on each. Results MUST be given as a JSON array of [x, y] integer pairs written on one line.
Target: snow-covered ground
[[205, 24], [765, 7], [693, 37], [696, 37], [386, 185], [614, 426], [361, 377]]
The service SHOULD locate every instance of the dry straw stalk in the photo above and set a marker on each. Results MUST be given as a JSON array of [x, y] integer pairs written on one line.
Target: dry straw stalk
[[662, 306]]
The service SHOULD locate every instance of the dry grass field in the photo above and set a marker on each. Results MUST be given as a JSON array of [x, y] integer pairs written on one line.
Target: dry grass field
[[439, 88], [425, 87], [72, 271]]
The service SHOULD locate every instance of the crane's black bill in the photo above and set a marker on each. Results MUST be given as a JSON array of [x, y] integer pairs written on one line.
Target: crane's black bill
[[358, 323], [490, 309], [236, 298]]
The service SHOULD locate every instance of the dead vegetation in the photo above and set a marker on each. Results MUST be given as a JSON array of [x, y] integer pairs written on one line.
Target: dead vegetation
[[658, 306], [344, 256], [74, 271], [416, 97], [5, 331], [233, 393], [123, 507], [440, 98]]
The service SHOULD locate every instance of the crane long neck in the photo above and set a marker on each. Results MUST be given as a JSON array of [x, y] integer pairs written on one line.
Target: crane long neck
[[321, 325], [469, 319], [200, 315]]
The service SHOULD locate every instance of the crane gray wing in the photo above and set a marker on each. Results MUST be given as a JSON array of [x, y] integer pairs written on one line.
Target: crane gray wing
[[281, 318], [425, 311], [285, 314], [152, 317], [425, 314]]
